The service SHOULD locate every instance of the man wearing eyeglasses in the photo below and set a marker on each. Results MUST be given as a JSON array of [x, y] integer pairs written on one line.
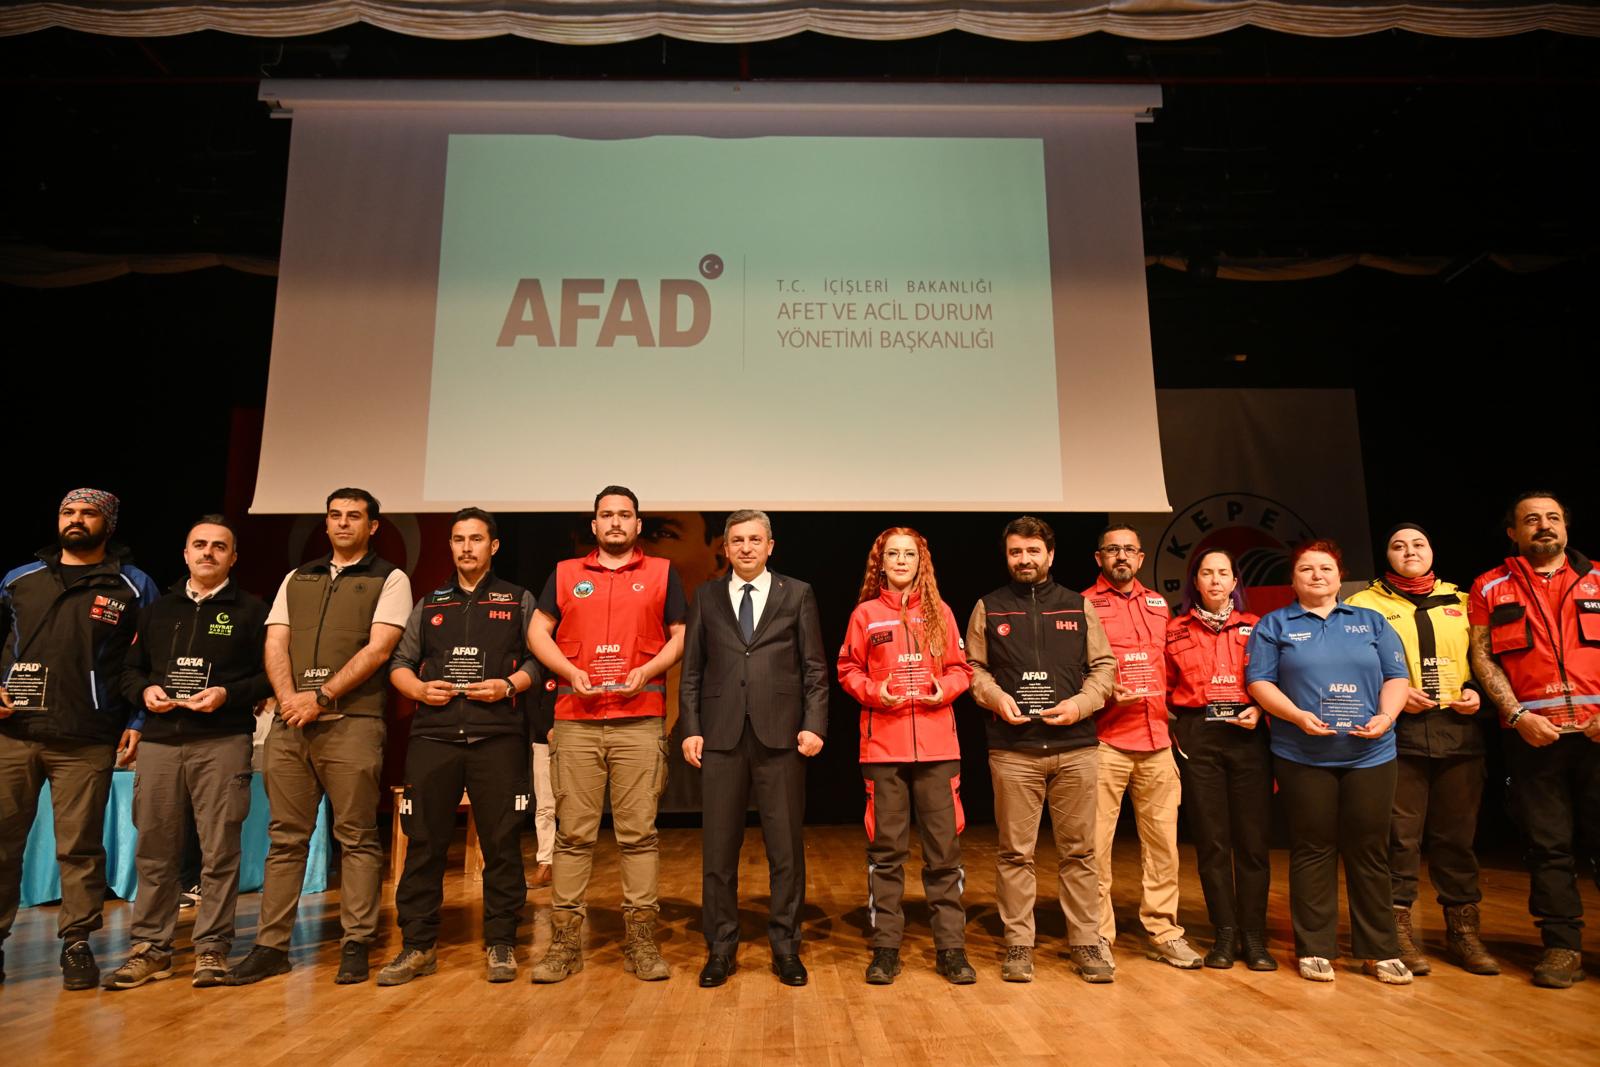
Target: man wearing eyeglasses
[[1135, 749]]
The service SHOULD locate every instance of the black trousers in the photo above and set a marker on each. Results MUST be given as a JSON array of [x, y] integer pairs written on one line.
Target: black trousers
[[1227, 793], [1436, 811], [494, 773], [777, 779], [1556, 793], [1339, 812]]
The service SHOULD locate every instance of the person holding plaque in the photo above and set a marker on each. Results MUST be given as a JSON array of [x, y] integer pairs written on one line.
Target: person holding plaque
[[1227, 776], [1136, 748], [66, 620], [608, 626], [903, 660], [330, 631], [464, 659], [1337, 677], [1440, 748], [196, 667], [1041, 665], [1535, 633]]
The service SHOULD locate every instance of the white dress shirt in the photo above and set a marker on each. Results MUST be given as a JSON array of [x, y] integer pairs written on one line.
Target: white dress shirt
[[758, 595]]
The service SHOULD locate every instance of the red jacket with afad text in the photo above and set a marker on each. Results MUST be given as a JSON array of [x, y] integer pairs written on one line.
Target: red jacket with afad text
[[1206, 665], [879, 646], [1136, 625], [611, 622], [1549, 651]]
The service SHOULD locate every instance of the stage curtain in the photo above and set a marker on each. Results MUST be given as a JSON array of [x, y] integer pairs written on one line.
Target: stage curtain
[[609, 21]]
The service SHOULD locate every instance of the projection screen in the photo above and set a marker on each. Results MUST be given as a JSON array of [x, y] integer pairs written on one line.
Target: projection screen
[[794, 296]]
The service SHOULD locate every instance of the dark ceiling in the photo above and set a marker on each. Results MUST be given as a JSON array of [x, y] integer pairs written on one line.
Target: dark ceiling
[[1267, 145]]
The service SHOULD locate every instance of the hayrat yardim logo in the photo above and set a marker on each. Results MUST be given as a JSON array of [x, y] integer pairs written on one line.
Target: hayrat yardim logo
[[1256, 530], [680, 316]]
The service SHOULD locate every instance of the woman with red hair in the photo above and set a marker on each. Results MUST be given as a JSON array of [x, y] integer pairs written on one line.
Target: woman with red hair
[[904, 661]]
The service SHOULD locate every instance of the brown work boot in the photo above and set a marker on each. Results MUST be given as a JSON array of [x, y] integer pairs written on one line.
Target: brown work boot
[[1410, 954], [1461, 940], [1558, 968], [640, 957], [565, 954]]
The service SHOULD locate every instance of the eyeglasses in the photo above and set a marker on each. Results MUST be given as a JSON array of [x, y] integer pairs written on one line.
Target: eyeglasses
[[1121, 550]]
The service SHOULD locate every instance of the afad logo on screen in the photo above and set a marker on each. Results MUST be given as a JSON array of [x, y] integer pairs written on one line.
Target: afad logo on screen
[[679, 317], [1256, 530]]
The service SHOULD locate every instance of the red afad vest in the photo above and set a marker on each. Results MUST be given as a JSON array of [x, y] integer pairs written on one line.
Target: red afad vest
[[611, 622], [1552, 659], [1201, 661]]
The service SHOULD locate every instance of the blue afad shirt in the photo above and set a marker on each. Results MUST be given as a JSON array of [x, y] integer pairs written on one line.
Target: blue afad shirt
[[1329, 667]]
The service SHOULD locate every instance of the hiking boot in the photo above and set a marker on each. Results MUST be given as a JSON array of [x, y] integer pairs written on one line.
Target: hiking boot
[[353, 965], [411, 963], [884, 966], [640, 956], [1175, 952], [1093, 963], [145, 964], [565, 954], [1389, 972], [1255, 954], [260, 962], [1461, 940], [1410, 954], [1018, 965], [1222, 949], [210, 969], [1558, 968], [952, 963], [78, 969], [500, 963]]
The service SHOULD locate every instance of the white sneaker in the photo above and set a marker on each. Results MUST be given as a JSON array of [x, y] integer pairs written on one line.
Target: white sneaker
[[1389, 972], [1317, 969]]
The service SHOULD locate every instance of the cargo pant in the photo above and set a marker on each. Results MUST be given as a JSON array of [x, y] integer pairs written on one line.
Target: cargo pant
[[587, 759], [934, 789]]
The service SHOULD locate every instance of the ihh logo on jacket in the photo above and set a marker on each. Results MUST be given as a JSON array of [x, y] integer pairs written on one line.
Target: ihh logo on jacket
[[1256, 530]]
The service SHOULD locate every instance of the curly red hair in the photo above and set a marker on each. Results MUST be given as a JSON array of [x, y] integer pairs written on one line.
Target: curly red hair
[[923, 585]]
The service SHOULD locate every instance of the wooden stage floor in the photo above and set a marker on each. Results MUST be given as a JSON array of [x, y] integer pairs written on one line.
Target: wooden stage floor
[[1151, 1015]]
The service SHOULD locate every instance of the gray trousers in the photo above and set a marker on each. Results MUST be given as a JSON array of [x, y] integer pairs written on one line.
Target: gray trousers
[[211, 777]]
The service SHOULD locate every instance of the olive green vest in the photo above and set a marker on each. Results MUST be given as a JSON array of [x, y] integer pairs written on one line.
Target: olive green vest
[[330, 620]]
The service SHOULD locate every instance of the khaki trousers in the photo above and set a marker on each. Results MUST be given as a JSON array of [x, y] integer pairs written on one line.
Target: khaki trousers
[[586, 760], [343, 758], [1152, 779], [1023, 783]]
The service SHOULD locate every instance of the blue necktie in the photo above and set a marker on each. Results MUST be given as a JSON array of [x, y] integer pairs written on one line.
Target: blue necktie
[[747, 614]]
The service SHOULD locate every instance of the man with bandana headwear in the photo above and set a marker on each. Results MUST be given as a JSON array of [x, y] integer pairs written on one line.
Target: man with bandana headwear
[[66, 620]]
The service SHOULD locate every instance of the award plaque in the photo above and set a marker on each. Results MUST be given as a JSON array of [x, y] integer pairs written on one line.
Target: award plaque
[[608, 670], [463, 667], [1441, 679], [1036, 694], [1569, 718], [1137, 671], [1225, 698], [311, 678], [911, 680], [1343, 710], [187, 676], [28, 685]]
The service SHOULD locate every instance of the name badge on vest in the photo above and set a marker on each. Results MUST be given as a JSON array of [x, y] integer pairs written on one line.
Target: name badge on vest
[[312, 677], [464, 666], [187, 676], [1036, 693], [28, 685]]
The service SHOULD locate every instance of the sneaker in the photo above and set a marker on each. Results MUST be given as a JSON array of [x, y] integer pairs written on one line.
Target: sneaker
[[1093, 963], [210, 969], [353, 965], [1315, 969], [500, 962], [1389, 972], [189, 897], [884, 966], [145, 964], [1175, 952], [260, 962], [1558, 968], [78, 969], [953, 964], [411, 963], [1018, 964]]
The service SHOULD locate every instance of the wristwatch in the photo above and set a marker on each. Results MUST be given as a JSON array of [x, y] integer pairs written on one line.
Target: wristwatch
[[323, 699], [511, 688], [1511, 720]]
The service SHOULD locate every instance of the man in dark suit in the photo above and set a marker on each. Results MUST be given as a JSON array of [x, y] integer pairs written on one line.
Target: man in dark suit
[[753, 701]]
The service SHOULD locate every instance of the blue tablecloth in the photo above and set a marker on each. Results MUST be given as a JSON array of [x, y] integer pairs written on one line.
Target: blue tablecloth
[[41, 878]]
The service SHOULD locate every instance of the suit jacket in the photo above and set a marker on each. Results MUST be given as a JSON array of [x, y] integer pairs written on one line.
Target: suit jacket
[[779, 680]]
